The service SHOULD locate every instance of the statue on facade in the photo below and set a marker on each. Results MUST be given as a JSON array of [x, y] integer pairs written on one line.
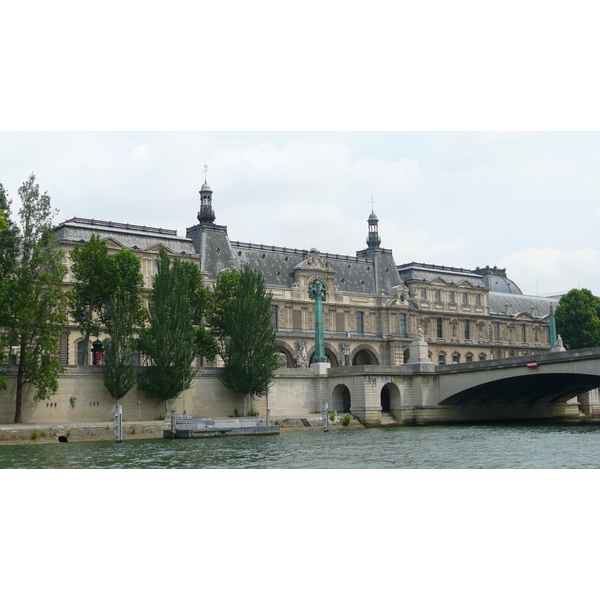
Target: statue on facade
[[345, 353], [301, 357], [420, 335]]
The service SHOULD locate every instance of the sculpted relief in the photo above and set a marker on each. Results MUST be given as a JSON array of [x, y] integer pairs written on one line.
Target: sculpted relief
[[301, 355]]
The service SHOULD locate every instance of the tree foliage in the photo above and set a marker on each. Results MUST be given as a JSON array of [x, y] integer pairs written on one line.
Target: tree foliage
[[99, 276], [9, 248], [172, 340], [578, 319], [119, 366], [241, 318], [36, 300]]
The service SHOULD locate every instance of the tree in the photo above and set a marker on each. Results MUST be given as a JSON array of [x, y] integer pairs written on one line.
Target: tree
[[98, 276], [242, 321], [37, 302], [172, 340], [578, 319], [119, 367], [9, 249], [90, 271]]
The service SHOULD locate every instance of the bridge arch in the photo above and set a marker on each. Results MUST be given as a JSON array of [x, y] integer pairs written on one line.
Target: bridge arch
[[341, 399]]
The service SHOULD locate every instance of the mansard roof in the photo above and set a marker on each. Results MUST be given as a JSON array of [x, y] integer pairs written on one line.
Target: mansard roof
[[519, 304], [412, 272], [134, 237], [365, 274]]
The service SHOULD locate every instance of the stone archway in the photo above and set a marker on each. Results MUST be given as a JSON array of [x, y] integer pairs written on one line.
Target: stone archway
[[341, 399], [286, 354], [331, 357], [364, 356], [285, 358], [390, 398]]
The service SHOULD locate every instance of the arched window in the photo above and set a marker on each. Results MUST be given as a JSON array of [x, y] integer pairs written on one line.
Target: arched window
[[469, 357], [456, 357], [483, 356]]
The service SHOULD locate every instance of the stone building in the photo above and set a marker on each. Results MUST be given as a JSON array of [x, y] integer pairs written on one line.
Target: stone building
[[372, 310]]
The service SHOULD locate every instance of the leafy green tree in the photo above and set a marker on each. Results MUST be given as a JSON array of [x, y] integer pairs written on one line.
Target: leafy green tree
[[242, 320], [37, 302], [578, 319], [172, 340], [119, 367], [91, 275], [9, 249], [97, 277]]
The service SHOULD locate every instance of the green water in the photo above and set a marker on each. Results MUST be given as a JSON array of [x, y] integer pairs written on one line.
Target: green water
[[514, 446]]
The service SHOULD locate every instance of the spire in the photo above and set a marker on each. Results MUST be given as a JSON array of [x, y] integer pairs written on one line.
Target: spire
[[373, 239], [206, 213]]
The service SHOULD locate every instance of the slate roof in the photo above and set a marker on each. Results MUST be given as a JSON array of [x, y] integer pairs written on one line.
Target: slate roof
[[520, 303], [425, 272], [135, 237]]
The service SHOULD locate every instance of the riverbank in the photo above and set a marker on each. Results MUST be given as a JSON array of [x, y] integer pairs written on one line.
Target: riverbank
[[40, 433]]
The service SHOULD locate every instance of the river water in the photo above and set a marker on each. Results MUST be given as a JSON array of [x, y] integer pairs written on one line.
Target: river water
[[494, 446]]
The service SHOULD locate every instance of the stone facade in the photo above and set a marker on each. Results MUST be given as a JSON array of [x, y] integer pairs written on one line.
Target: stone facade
[[372, 308], [375, 314]]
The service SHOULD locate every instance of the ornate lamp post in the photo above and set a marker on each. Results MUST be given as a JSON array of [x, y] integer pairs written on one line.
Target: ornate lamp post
[[316, 291]]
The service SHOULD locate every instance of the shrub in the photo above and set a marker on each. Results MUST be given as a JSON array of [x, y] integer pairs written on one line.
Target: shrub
[[35, 434], [332, 417], [346, 420]]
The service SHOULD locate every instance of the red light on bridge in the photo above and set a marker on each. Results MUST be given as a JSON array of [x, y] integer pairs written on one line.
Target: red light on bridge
[[532, 364]]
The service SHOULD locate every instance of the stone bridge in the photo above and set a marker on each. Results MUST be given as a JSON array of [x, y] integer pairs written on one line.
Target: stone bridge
[[552, 385]]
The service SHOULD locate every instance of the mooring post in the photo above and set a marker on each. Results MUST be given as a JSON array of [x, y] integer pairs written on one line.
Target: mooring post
[[325, 416], [119, 422], [173, 422]]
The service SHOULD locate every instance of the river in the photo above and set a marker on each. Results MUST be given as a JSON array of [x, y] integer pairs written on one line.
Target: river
[[493, 446]]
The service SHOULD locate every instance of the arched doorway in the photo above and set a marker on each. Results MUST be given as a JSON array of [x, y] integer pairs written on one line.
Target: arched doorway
[[364, 357], [390, 397], [385, 399], [341, 399]]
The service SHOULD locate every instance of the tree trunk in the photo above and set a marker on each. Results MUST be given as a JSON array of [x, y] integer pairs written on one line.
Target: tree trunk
[[20, 384]]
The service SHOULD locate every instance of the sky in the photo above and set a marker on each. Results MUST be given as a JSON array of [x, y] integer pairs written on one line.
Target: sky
[[525, 201]]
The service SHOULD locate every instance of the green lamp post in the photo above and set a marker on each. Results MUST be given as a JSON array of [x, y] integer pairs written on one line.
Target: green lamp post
[[316, 291]]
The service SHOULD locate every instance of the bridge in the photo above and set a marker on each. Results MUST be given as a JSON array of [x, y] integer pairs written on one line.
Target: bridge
[[552, 385]]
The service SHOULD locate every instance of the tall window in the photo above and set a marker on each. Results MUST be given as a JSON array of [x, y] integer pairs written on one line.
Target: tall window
[[452, 297], [478, 299], [442, 358], [274, 315], [423, 294], [524, 333], [496, 332], [440, 332], [467, 330], [465, 298], [359, 322], [81, 352], [438, 295], [403, 324]]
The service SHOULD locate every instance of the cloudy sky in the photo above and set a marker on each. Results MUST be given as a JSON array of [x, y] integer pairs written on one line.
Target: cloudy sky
[[529, 202], [473, 132]]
